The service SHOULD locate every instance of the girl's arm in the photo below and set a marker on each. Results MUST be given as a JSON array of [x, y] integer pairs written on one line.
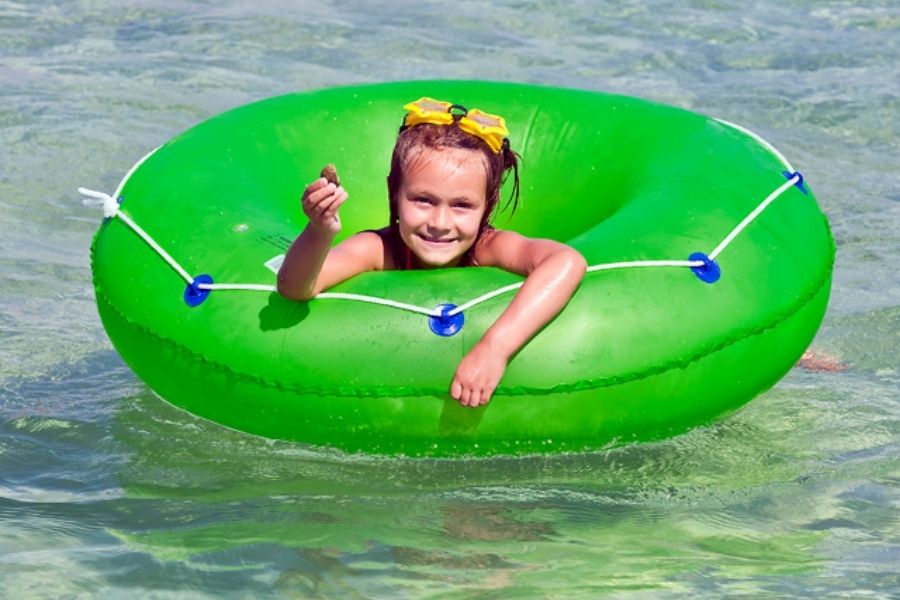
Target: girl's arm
[[311, 265], [553, 272]]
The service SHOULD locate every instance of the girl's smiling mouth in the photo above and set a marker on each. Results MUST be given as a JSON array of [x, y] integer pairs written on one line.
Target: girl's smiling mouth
[[435, 240]]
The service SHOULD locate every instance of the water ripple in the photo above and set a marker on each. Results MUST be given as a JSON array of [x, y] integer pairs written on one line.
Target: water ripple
[[105, 489]]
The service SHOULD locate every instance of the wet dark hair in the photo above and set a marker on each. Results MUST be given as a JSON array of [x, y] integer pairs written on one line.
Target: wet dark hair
[[413, 139]]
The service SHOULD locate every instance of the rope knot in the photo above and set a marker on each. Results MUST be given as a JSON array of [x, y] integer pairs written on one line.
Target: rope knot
[[791, 175], [94, 198]]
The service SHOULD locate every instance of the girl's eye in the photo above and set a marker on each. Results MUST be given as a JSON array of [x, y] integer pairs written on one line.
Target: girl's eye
[[463, 205], [422, 200]]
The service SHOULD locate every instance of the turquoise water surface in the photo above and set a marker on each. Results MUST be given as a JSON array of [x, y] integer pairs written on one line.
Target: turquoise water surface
[[107, 491]]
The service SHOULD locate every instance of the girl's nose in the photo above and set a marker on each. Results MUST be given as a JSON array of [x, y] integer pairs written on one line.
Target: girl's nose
[[440, 218]]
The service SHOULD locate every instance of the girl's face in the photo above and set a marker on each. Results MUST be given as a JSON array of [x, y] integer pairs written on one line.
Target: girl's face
[[440, 204]]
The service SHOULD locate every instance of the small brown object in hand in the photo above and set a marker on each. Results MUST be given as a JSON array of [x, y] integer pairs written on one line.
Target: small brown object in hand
[[330, 174]]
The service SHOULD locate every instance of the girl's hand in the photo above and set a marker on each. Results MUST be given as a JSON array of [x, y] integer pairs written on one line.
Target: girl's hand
[[320, 202], [477, 375]]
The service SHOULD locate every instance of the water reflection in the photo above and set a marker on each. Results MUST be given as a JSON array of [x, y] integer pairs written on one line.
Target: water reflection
[[710, 497]]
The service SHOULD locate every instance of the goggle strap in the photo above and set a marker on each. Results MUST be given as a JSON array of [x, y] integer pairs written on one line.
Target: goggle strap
[[459, 107]]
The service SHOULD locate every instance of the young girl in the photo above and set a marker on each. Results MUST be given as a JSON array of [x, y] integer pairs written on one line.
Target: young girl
[[444, 186]]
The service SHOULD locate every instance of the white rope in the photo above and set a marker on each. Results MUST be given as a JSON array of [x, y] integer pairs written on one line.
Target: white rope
[[761, 141], [109, 203], [673, 263], [133, 168], [590, 269], [645, 263], [260, 287], [429, 312], [111, 209], [484, 298], [756, 212], [247, 287], [159, 249]]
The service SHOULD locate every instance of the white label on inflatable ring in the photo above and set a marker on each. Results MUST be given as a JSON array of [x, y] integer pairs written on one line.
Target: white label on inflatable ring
[[274, 263]]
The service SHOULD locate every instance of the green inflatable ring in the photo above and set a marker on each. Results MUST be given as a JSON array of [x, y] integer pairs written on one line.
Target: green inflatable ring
[[643, 351]]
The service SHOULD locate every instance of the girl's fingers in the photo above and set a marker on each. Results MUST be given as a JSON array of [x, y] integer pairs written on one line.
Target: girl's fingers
[[331, 211], [489, 392], [317, 184], [331, 204], [339, 198], [312, 188], [471, 391], [318, 202], [485, 397], [456, 390], [317, 195], [466, 397], [473, 396], [323, 205]]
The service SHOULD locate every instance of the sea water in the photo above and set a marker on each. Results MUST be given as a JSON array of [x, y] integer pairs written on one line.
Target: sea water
[[107, 491]]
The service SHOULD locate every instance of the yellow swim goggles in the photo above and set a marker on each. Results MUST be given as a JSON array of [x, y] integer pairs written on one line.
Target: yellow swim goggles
[[490, 128]]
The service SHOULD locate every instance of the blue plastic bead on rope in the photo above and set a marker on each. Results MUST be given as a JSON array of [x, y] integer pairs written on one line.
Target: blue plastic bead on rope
[[445, 325], [193, 295], [799, 184], [709, 271]]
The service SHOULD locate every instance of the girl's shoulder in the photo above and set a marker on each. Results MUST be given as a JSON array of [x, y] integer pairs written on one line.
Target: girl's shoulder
[[518, 253], [500, 237], [367, 247], [494, 245]]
